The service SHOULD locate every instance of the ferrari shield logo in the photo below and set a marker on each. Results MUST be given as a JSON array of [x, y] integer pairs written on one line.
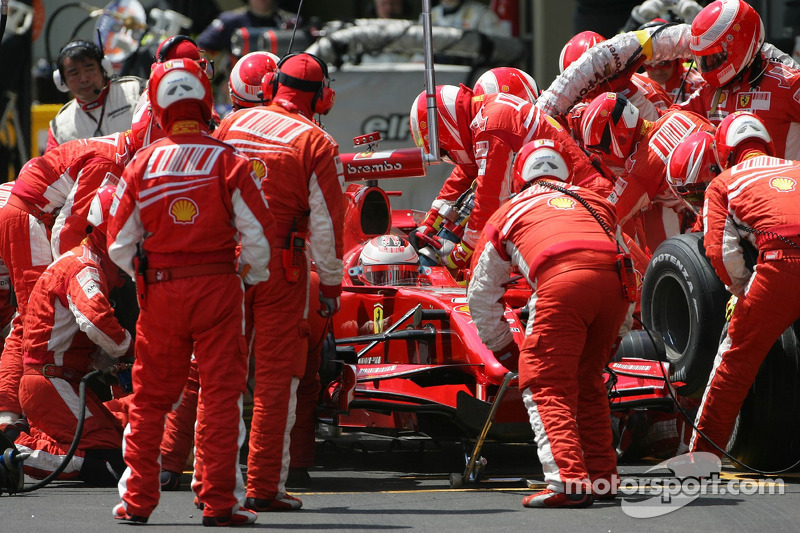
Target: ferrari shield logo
[[377, 318], [744, 101]]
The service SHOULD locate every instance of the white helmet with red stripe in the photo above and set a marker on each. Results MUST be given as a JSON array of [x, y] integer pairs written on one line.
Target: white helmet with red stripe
[[246, 77], [576, 47], [389, 260], [507, 80], [609, 127], [726, 36], [454, 114]]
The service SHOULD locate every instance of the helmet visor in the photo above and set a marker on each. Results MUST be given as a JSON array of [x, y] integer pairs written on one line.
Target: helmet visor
[[712, 61], [692, 194], [390, 275]]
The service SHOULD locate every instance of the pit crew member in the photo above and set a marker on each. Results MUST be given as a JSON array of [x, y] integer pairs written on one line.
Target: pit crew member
[[756, 200], [101, 105], [70, 329], [568, 254], [302, 180], [183, 202]]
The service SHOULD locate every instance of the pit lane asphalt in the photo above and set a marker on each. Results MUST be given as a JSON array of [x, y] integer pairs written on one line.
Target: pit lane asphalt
[[369, 483]]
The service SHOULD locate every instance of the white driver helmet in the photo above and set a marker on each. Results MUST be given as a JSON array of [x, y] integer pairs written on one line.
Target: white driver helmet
[[389, 260]]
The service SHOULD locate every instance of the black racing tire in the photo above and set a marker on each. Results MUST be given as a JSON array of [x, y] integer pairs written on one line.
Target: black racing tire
[[683, 301], [767, 432], [638, 343]]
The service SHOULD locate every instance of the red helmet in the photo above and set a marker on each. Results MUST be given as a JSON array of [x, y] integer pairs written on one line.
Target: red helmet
[[100, 209], [735, 131], [691, 167], [726, 36], [609, 127], [576, 46], [246, 77], [507, 80], [454, 117], [542, 158], [180, 89], [388, 260]]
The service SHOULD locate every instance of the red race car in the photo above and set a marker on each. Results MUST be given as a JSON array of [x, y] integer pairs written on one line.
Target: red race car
[[406, 355]]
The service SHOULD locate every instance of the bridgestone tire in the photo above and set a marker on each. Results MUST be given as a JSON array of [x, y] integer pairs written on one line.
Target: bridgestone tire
[[684, 302], [767, 431]]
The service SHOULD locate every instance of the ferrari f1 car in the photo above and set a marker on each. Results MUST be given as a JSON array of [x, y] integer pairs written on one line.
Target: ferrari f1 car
[[407, 357]]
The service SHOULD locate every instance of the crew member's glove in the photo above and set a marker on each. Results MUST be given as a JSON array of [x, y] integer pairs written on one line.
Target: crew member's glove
[[508, 356], [458, 257], [12, 430], [424, 236], [101, 360], [730, 307], [329, 300], [425, 233]]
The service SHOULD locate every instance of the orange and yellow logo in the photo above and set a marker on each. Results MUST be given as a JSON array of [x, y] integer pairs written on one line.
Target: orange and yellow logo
[[562, 203], [259, 168], [183, 211], [782, 184]]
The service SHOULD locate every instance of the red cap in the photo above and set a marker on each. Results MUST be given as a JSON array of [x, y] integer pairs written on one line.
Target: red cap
[[184, 48], [304, 67], [299, 78]]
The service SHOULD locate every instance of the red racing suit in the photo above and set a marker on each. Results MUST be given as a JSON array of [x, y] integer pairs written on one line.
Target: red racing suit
[[576, 311], [69, 228], [302, 181], [755, 200], [69, 319], [26, 221], [500, 127], [774, 97], [644, 179], [184, 203]]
